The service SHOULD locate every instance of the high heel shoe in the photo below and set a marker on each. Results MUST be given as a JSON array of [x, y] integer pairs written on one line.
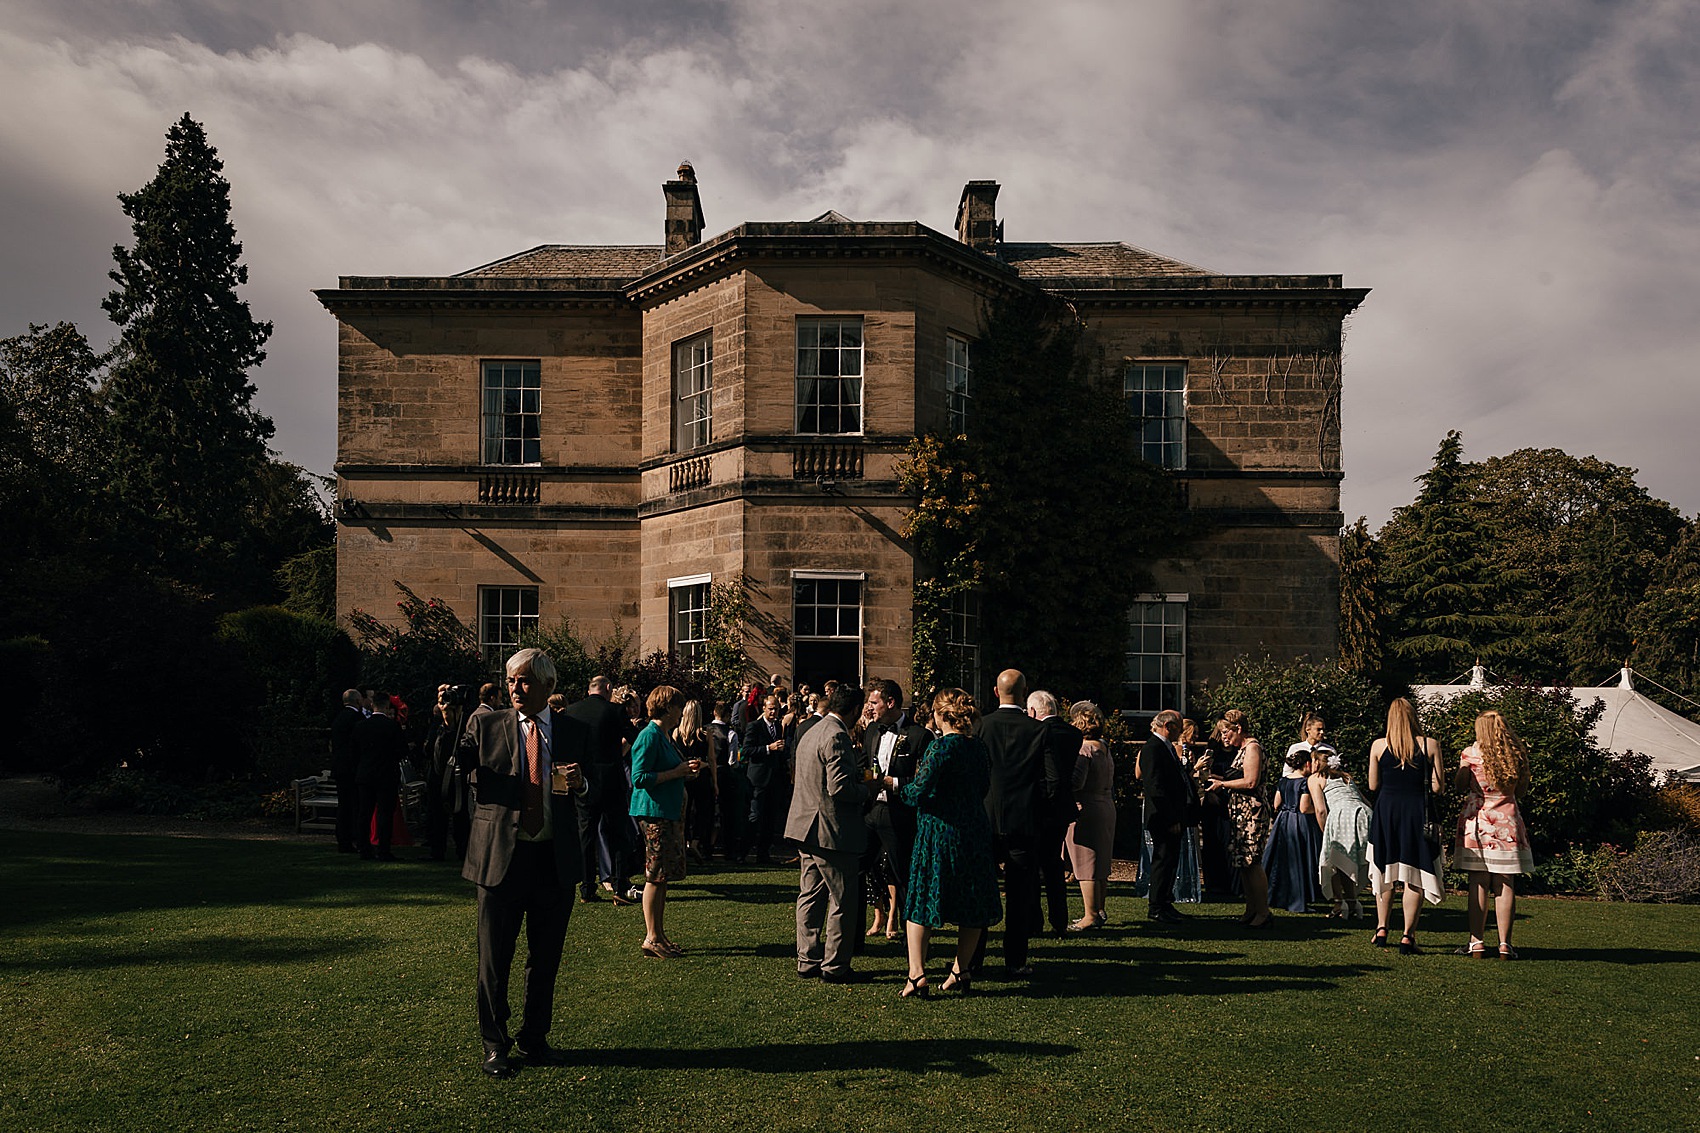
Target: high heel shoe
[[1338, 912], [1268, 919], [914, 987], [1357, 909], [1408, 945], [1380, 937], [958, 980]]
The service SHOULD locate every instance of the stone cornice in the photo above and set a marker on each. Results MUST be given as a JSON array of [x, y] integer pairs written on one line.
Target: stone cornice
[[451, 471]]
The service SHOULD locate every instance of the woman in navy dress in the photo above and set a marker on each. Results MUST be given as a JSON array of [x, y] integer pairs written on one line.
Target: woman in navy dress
[[953, 876], [1295, 841], [1403, 767]]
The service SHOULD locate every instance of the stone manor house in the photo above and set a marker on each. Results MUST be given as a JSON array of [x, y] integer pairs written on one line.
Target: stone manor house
[[601, 432]]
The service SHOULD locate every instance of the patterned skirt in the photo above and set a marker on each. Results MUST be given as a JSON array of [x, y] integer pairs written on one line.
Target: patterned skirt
[[663, 849]]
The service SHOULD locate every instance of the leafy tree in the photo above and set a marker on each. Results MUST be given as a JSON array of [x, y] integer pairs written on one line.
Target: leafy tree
[[1361, 617], [1048, 484], [1665, 624], [725, 663], [1446, 595], [308, 582], [51, 440], [430, 647], [186, 441]]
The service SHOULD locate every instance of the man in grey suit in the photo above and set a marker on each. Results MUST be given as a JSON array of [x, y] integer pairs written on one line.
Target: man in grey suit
[[523, 853], [827, 824]]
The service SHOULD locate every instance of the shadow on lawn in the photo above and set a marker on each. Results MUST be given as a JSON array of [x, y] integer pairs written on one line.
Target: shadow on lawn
[[223, 949], [966, 1058], [56, 876]]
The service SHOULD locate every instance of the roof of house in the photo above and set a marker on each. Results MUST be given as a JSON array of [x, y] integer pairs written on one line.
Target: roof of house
[[574, 261], [1078, 261]]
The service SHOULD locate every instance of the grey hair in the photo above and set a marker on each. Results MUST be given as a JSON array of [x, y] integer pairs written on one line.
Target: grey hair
[[352, 698], [1042, 702], [541, 667]]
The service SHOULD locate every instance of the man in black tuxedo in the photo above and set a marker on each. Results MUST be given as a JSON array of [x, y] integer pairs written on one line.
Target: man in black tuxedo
[[379, 748], [1016, 743], [1169, 803], [524, 855], [896, 751], [764, 754], [603, 819], [343, 764], [1057, 810]]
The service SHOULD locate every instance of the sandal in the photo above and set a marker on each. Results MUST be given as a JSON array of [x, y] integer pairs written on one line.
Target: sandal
[[1380, 937], [958, 980], [659, 950], [1475, 950], [914, 987], [1506, 952], [1408, 945]]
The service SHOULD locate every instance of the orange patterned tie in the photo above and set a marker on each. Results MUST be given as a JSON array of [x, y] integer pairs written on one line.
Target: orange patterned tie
[[531, 809]]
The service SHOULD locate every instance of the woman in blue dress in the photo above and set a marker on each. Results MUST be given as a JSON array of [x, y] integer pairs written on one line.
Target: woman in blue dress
[[1295, 841], [953, 876], [1404, 767]]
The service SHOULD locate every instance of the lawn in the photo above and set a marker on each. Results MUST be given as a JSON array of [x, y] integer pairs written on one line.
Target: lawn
[[150, 982]]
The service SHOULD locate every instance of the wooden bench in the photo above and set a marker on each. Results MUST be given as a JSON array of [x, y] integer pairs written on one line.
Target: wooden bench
[[315, 803]]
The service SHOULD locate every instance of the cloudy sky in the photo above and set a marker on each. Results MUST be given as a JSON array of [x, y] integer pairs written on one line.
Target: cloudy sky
[[1517, 180]]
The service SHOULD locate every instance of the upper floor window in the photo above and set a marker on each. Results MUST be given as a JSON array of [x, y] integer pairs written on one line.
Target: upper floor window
[[513, 413], [1156, 654], [957, 374], [829, 376], [693, 388], [504, 613], [1156, 397], [687, 634]]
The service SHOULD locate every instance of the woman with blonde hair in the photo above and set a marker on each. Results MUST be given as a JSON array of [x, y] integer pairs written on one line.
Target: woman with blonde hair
[[1493, 842], [1404, 766], [694, 741], [1249, 814], [1091, 837]]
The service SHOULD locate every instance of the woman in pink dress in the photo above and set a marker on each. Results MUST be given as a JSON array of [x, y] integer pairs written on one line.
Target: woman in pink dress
[[1493, 842]]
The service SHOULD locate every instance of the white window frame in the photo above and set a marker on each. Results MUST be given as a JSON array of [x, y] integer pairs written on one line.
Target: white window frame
[[1168, 676], [693, 650], [498, 647], [958, 379], [860, 578], [510, 412], [693, 392], [962, 639], [847, 387], [1159, 408]]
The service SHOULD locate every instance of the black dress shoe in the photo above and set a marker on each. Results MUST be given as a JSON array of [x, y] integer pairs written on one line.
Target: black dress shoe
[[542, 1055], [496, 1064], [1165, 916], [840, 978], [808, 973]]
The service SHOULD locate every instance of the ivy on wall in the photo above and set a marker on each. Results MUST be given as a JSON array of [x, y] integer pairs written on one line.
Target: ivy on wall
[[1044, 510]]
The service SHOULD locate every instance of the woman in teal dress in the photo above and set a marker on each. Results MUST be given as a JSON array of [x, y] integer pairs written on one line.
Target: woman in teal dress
[[953, 875]]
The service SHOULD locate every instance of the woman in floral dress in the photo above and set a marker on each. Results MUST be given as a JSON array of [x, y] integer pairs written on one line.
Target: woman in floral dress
[[953, 876], [1243, 785], [1493, 842]]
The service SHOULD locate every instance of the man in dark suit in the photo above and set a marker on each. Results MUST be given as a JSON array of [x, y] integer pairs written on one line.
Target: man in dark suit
[[343, 764], [605, 818], [896, 751], [379, 748], [827, 823], [764, 756], [1169, 802], [1016, 743], [1062, 748], [524, 853]]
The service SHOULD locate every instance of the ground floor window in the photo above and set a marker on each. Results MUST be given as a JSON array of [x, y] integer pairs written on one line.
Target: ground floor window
[[962, 643], [687, 634], [1156, 655], [504, 613], [826, 627]]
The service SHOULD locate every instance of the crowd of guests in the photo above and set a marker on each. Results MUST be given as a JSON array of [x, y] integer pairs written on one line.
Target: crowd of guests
[[903, 819]]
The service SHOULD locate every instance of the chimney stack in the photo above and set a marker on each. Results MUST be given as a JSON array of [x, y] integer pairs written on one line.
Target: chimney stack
[[977, 217], [684, 210]]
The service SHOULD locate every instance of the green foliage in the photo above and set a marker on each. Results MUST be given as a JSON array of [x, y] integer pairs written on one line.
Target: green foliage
[[185, 439], [1665, 624], [308, 582], [1045, 511], [1578, 794], [574, 663], [430, 646], [1361, 619], [52, 455], [1276, 695], [301, 662], [725, 662], [1663, 866]]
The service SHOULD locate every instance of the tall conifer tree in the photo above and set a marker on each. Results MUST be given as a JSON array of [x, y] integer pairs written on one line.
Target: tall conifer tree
[[187, 444]]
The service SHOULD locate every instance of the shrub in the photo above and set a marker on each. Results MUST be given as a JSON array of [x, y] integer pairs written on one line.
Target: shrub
[[1676, 807], [1664, 866], [430, 647], [1277, 694]]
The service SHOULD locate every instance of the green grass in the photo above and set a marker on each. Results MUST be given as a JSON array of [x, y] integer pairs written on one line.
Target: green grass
[[151, 982]]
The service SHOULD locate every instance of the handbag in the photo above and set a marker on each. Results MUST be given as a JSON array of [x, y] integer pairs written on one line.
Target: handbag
[[1431, 809]]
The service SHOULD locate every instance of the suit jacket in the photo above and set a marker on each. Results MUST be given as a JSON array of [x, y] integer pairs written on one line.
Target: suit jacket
[[379, 748], [610, 728], [1169, 796], [1016, 743], [343, 724], [762, 764], [912, 743], [494, 751], [827, 799], [1062, 748]]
